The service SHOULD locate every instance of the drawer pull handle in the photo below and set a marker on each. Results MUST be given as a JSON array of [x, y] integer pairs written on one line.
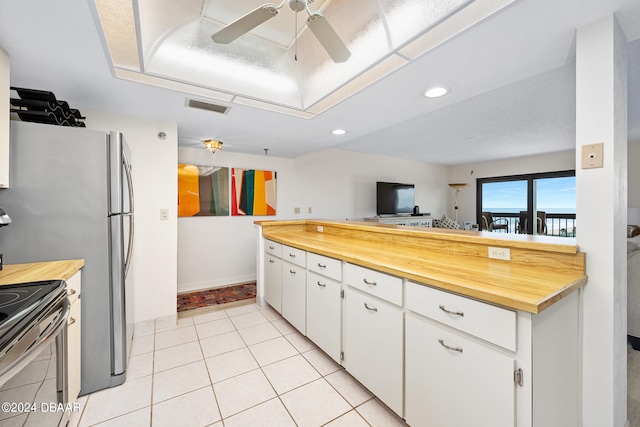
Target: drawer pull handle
[[271, 247], [71, 292], [292, 271], [322, 285], [271, 261], [322, 265], [454, 313], [369, 283], [71, 321], [369, 308], [292, 255], [449, 347]]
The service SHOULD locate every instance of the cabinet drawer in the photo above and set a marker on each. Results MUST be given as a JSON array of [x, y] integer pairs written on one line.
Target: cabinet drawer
[[273, 248], [488, 322], [326, 266], [374, 282], [73, 287], [294, 255]]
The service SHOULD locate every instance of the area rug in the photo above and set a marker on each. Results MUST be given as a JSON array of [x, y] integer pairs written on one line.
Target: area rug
[[209, 297]]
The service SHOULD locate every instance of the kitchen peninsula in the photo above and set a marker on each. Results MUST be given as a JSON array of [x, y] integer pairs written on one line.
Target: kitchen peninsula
[[430, 323]]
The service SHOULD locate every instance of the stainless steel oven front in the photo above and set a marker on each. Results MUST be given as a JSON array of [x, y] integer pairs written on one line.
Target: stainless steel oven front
[[33, 359]]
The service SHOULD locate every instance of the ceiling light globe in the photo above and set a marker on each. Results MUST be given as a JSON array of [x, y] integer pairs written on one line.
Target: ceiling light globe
[[338, 131]]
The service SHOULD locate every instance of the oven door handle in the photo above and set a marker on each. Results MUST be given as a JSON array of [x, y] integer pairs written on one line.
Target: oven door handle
[[43, 339]]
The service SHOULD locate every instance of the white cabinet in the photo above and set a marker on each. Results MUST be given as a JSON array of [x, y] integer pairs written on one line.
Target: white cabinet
[[494, 324], [294, 287], [413, 221], [452, 380], [434, 357], [273, 275], [4, 119], [73, 336], [374, 345], [324, 314]]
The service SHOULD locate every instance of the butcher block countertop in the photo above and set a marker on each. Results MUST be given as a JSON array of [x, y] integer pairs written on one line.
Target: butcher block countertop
[[37, 271], [541, 270]]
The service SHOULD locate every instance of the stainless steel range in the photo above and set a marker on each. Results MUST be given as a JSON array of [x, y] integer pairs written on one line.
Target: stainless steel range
[[33, 359]]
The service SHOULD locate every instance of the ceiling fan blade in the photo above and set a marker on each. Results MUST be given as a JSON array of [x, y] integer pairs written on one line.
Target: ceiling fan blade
[[245, 24], [328, 37]]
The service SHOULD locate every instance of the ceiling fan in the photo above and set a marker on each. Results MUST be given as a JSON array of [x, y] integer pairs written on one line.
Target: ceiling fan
[[316, 22]]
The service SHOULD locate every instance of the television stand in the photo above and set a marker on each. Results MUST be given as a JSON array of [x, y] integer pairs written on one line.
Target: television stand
[[420, 220]]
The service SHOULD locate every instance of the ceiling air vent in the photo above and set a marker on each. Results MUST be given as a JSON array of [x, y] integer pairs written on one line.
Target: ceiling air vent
[[207, 106]]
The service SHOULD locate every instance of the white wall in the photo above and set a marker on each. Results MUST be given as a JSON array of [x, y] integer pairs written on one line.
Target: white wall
[[633, 156], [469, 173], [153, 267], [336, 184], [601, 202]]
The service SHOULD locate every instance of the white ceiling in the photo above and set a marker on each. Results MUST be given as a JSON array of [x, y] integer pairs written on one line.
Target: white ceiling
[[512, 86]]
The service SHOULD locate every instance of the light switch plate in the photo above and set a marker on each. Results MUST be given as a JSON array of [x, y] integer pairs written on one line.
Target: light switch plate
[[592, 156]]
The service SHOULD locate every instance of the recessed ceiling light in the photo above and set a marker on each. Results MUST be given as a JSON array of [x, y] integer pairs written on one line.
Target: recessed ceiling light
[[436, 92], [338, 131]]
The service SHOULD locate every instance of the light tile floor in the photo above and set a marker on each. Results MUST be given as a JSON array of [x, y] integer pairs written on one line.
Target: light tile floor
[[238, 367]]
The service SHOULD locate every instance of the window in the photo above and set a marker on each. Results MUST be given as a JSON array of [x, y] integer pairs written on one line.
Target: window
[[543, 203]]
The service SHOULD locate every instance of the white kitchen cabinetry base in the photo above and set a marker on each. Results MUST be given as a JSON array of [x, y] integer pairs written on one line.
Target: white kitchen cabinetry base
[[73, 336], [273, 281], [294, 295], [324, 314], [374, 346], [444, 368]]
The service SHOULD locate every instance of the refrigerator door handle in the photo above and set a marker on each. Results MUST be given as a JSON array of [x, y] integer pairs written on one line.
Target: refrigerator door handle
[[127, 170]]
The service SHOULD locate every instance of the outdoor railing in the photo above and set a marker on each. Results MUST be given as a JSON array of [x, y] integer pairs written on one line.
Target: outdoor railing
[[558, 224]]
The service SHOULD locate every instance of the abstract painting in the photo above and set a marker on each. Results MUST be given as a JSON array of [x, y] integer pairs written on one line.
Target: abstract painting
[[253, 192], [203, 190]]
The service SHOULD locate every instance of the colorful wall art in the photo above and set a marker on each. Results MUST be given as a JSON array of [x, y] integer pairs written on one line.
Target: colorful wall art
[[253, 192], [203, 190]]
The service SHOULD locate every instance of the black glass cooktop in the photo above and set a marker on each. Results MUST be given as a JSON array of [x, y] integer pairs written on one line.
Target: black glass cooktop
[[20, 301]]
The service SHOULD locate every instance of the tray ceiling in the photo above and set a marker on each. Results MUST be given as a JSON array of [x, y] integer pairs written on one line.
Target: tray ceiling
[[278, 66]]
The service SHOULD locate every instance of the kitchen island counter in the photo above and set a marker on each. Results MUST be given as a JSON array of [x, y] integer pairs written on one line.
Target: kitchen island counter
[[541, 269]]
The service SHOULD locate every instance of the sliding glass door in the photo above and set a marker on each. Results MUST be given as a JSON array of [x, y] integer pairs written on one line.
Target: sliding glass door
[[528, 204]]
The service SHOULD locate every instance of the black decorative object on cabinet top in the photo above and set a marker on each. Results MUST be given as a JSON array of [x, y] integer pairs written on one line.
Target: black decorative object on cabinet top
[[42, 107]]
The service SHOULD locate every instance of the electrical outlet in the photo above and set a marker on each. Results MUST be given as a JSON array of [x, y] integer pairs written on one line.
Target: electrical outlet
[[296, 210], [500, 253], [320, 229], [164, 214]]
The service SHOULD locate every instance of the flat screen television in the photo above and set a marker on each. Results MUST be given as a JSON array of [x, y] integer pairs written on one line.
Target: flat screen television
[[394, 198]]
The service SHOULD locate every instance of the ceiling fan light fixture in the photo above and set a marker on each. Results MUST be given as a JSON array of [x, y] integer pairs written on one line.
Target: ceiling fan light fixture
[[436, 91], [212, 145]]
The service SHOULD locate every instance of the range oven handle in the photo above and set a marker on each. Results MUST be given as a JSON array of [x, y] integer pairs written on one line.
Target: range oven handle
[[52, 331]]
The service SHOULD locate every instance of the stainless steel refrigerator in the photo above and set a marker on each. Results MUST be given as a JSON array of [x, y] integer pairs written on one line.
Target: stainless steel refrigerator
[[70, 197]]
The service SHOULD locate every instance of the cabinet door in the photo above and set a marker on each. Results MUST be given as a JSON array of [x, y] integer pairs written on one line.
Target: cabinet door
[[294, 295], [374, 345], [324, 314], [73, 350], [273, 282], [454, 381]]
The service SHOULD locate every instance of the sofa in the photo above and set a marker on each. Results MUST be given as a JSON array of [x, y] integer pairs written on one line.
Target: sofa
[[633, 285]]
